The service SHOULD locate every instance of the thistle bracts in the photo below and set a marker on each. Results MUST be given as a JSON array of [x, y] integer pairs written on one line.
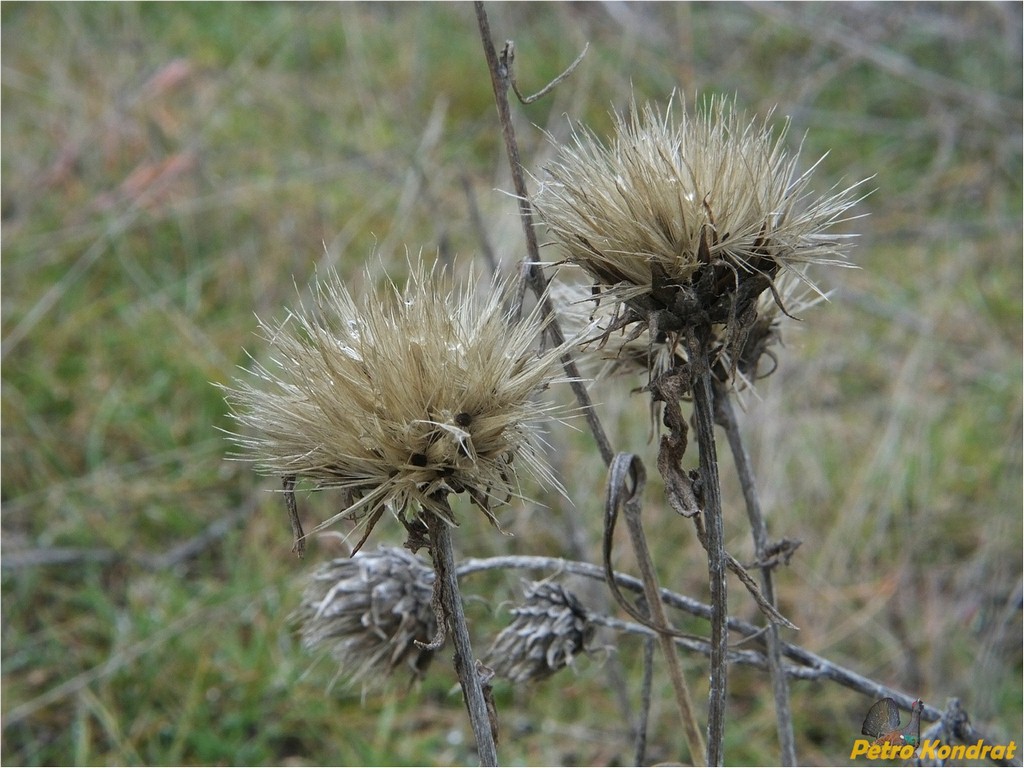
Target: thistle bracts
[[549, 630], [368, 612], [608, 347]]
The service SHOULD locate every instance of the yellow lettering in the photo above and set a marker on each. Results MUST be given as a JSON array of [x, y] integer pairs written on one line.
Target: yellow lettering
[[928, 749], [959, 752], [974, 751], [860, 747], [906, 751], [892, 751]]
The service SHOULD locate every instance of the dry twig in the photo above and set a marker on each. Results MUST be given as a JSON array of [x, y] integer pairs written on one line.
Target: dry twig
[[780, 687]]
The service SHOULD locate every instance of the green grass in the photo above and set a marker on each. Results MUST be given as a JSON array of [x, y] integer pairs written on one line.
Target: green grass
[[307, 136]]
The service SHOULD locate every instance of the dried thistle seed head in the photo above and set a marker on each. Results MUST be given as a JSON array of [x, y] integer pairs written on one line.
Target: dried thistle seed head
[[367, 611], [549, 630], [690, 219], [401, 397]]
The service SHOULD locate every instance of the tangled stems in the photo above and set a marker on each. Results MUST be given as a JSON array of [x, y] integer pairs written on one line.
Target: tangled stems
[[808, 665], [626, 481]]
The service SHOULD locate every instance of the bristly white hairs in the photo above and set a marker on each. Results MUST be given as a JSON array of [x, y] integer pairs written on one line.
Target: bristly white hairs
[[661, 185], [402, 396]]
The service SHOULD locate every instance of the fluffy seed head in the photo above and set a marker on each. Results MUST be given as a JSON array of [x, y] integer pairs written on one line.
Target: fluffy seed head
[[666, 197], [549, 629], [400, 397], [367, 611]]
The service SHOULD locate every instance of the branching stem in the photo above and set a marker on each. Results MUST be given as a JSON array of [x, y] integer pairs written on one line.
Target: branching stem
[[530, 269], [811, 665]]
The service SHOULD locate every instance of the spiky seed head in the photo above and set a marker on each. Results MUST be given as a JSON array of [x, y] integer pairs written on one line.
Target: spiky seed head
[[401, 397], [549, 630], [690, 216], [367, 612]]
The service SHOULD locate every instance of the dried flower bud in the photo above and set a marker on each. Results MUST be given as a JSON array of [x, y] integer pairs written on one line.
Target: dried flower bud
[[548, 631], [402, 398], [688, 223], [793, 294], [367, 611]]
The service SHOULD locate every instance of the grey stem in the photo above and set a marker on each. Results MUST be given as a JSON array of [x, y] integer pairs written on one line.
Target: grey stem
[[441, 549], [703, 414], [780, 684], [531, 272]]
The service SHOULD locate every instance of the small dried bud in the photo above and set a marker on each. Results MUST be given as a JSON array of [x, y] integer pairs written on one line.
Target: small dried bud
[[548, 631], [367, 611], [400, 399], [792, 297]]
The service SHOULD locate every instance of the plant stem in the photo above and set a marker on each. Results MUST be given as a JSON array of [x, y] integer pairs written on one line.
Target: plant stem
[[442, 551], [780, 685], [623, 466], [531, 271], [704, 418]]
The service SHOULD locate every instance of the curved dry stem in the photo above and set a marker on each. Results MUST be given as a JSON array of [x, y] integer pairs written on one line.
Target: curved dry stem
[[626, 467]]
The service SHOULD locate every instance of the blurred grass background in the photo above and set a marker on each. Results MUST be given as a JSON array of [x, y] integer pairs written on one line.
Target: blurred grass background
[[169, 170]]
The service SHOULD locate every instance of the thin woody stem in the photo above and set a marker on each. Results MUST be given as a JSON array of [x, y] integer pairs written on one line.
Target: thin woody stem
[[530, 269], [547, 88], [704, 418], [780, 685], [442, 552]]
